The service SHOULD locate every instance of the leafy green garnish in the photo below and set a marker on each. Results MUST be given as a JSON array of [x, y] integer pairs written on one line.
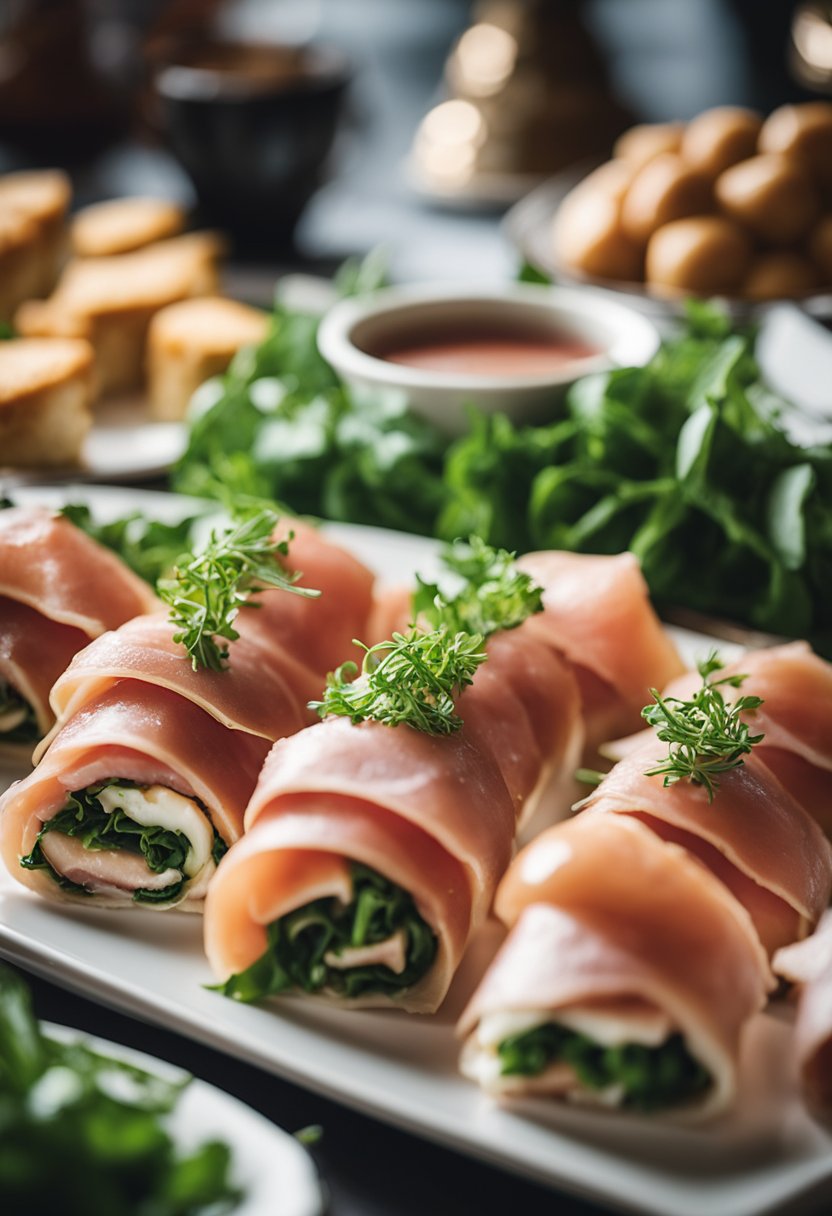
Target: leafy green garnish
[[85, 819], [706, 735], [149, 547], [299, 942], [21, 713], [85, 1135], [410, 679], [651, 1077], [206, 593], [492, 595]]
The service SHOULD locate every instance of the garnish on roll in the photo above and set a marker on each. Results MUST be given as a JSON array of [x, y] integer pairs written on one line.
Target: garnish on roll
[[491, 594], [412, 679], [206, 593], [706, 735]]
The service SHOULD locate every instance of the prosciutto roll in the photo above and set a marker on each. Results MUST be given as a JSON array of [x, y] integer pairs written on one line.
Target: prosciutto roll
[[754, 836], [627, 978], [371, 853], [58, 589], [809, 964], [597, 614], [134, 803]]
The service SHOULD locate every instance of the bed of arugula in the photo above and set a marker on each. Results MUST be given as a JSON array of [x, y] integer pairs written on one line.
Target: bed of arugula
[[686, 462]]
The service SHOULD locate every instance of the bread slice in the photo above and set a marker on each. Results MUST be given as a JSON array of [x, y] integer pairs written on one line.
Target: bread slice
[[33, 240], [110, 301], [191, 341], [46, 391], [122, 225]]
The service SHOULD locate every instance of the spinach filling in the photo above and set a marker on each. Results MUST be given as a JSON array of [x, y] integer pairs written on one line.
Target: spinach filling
[[25, 728], [299, 941], [651, 1077], [86, 819]]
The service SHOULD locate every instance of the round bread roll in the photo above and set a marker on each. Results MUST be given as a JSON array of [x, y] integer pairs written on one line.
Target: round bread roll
[[664, 190], [587, 232], [820, 247], [780, 273], [772, 195], [719, 138], [804, 132], [704, 254], [648, 140]]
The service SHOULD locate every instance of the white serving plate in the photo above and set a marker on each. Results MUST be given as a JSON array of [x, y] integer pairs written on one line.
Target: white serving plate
[[766, 1156], [272, 1168]]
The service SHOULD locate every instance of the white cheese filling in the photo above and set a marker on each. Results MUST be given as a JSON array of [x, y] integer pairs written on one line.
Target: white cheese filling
[[157, 806], [392, 953], [11, 718]]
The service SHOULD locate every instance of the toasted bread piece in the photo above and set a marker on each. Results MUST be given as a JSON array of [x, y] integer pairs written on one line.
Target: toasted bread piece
[[33, 240], [110, 301], [191, 341], [46, 392], [122, 225]]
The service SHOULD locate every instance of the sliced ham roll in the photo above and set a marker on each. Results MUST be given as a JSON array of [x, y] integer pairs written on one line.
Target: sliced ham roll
[[430, 817], [58, 589], [627, 978], [263, 691], [809, 964], [319, 630], [525, 706], [754, 836], [134, 802], [597, 613]]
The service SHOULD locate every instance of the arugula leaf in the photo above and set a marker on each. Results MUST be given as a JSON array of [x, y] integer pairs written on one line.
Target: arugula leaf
[[149, 547], [21, 715], [652, 1078], [299, 942]]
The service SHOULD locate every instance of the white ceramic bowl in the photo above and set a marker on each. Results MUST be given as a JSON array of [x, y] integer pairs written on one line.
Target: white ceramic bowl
[[355, 327]]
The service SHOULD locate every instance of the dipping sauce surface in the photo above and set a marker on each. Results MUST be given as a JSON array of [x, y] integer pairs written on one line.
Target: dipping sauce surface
[[497, 353]]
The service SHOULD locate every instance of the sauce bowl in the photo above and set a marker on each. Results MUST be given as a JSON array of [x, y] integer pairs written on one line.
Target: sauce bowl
[[361, 337]]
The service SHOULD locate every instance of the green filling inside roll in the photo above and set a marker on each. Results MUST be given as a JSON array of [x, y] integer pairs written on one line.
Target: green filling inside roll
[[649, 1077], [85, 819], [305, 944], [18, 722]]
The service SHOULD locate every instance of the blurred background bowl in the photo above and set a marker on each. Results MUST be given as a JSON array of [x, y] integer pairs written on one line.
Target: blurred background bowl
[[252, 125]]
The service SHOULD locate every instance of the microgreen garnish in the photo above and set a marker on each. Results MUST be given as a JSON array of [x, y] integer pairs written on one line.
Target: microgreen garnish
[[412, 678], [207, 591], [493, 594], [706, 735]]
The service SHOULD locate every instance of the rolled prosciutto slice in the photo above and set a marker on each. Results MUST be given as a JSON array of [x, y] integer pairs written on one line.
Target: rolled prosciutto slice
[[134, 803], [754, 836], [320, 631], [58, 589], [263, 691], [809, 964], [598, 615], [525, 706], [371, 853], [627, 978]]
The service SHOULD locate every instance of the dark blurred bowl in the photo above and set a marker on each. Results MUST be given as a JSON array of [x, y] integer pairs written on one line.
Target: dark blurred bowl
[[252, 125]]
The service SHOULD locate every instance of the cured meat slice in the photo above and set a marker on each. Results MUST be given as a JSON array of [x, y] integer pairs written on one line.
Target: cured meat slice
[[597, 613], [319, 630], [754, 836], [58, 589], [524, 704], [429, 815], [809, 964], [263, 691], [163, 764], [633, 967], [55, 568]]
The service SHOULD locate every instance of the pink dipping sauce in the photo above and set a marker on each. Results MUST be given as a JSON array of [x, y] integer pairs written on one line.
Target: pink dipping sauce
[[498, 353]]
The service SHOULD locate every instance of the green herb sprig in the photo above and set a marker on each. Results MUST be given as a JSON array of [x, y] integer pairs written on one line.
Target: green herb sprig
[[492, 594], [411, 679], [706, 735], [206, 592]]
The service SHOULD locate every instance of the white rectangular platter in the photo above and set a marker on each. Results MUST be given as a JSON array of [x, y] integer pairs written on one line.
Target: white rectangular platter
[[767, 1156]]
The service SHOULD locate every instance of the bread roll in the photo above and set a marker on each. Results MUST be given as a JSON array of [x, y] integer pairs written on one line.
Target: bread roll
[[780, 273], [646, 141], [121, 225], [46, 393], [705, 255], [33, 208], [803, 132], [719, 138], [772, 195], [666, 189]]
